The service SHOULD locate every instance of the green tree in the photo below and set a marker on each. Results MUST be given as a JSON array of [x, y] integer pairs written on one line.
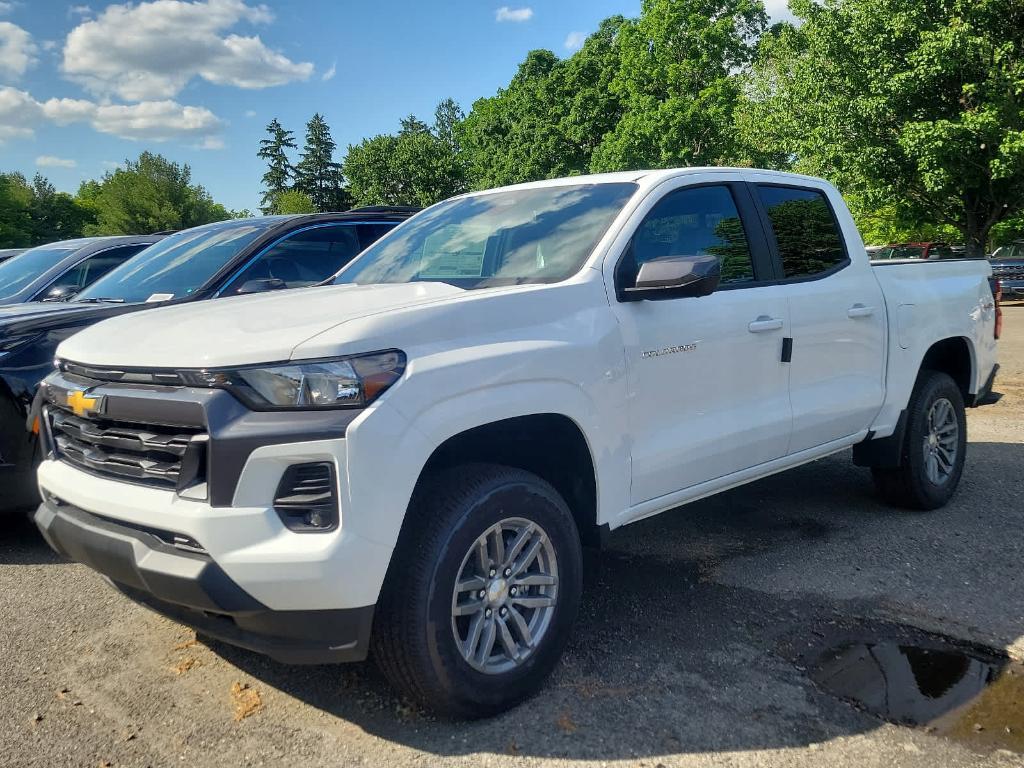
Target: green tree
[[317, 175], [551, 117], [15, 211], [55, 215], [292, 201], [911, 106], [413, 167], [149, 194], [678, 84], [278, 177], [447, 118]]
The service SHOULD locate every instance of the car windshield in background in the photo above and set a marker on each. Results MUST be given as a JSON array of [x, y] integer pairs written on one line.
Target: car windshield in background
[[19, 271], [906, 252], [539, 235], [178, 265]]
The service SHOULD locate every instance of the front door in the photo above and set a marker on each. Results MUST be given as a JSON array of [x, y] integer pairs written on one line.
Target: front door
[[708, 391]]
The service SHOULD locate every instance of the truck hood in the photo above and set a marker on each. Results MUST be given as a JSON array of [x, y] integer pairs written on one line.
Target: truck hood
[[241, 330]]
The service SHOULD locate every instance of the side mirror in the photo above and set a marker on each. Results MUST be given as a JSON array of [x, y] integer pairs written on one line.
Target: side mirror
[[674, 277], [262, 285], [60, 293]]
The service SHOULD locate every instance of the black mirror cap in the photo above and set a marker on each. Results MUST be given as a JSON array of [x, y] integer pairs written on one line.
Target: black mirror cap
[[674, 277], [262, 285], [61, 293]]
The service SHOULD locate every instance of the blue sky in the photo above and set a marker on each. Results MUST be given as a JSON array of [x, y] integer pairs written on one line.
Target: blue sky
[[85, 85]]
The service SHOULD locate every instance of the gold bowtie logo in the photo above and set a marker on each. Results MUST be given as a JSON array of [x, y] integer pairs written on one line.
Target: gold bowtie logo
[[81, 404]]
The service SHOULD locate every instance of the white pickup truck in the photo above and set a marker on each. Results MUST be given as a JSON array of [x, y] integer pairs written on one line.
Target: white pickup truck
[[408, 462]]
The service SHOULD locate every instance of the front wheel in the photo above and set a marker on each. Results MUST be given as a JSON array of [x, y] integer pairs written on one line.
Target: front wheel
[[934, 447], [482, 591]]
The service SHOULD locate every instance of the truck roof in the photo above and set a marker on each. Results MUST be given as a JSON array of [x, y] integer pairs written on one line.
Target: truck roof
[[649, 177]]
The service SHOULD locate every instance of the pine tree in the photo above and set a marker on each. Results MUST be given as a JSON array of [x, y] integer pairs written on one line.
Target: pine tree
[[317, 175], [279, 173]]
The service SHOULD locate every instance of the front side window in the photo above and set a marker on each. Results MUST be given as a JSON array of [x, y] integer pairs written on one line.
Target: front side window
[[539, 235], [699, 221], [806, 231], [309, 256], [94, 267]]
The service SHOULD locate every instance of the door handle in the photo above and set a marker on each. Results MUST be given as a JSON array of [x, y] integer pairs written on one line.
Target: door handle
[[859, 310], [765, 323]]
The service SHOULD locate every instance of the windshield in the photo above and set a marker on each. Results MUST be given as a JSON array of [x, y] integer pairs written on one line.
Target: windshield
[[19, 271], [538, 235], [178, 265]]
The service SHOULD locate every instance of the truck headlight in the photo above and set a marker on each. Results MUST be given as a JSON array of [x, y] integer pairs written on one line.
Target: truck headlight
[[341, 382]]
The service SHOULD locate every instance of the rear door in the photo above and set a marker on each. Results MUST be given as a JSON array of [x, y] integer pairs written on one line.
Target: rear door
[[836, 309]]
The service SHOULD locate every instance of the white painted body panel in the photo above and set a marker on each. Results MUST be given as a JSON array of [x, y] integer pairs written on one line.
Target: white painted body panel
[[661, 431]]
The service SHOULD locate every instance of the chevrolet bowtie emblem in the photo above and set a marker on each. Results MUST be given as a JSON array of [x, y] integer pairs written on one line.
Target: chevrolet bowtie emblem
[[83, 405]]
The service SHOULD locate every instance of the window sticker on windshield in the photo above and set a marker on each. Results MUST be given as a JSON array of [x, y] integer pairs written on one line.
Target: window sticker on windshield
[[160, 297], [454, 252]]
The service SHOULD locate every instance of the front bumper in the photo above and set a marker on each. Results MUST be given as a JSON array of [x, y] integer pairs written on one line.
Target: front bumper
[[192, 588], [1012, 289]]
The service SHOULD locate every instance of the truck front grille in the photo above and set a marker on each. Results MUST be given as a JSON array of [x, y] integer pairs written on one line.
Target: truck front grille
[[159, 456], [1011, 271]]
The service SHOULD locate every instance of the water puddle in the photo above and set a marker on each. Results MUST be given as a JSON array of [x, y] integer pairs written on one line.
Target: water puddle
[[963, 694]]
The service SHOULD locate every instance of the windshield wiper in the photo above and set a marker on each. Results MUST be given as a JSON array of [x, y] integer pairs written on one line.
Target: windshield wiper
[[99, 300]]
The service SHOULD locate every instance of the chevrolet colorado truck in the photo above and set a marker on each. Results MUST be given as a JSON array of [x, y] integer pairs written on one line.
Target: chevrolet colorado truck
[[408, 462]]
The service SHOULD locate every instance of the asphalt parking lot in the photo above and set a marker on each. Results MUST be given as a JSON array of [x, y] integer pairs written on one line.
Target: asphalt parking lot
[[698, 637]]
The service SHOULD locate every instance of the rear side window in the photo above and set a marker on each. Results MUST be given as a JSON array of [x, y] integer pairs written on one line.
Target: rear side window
[[700, 221], [805, 229], [310, 256]]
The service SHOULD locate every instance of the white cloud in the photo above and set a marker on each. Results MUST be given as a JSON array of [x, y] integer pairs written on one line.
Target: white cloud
[[151, 50], [6, 7], [79, 10], [50, 161], [17, 51], [513, 14], [250, 113], [330, 73], [153, 121], [19, 114], [574, 40]]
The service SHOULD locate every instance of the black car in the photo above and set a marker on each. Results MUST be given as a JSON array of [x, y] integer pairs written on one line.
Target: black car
[[229, 258], [1008, 268], [58, 271]]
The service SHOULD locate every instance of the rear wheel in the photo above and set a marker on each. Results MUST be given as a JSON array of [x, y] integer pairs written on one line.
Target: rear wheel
[[934, 447], [482, 591]]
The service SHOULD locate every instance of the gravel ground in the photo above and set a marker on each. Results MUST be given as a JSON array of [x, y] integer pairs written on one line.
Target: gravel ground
[[692, 648]]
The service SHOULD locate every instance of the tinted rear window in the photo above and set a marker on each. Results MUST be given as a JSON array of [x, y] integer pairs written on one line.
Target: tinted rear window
[[805, 228]]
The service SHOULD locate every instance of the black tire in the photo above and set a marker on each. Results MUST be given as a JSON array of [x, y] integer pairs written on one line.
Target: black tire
[[413, 642], [909, 485]]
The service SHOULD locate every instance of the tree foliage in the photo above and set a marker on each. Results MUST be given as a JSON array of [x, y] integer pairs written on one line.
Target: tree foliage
[[150, 194], [317, 174], [416, 166], [280, 170], [677, 85], [913, 106], [292, 201], [36, 213]]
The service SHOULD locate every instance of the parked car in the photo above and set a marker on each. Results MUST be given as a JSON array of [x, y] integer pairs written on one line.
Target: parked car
[[1008, 268], [916, 251], [412, 458], [9, 253], [224, 259], [58, 271]]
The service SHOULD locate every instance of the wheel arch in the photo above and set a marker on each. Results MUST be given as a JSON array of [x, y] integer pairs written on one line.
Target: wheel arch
[[552, 446], [954, 356]]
